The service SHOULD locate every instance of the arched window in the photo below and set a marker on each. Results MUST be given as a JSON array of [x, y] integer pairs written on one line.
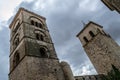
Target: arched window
[[91, 34], [43, 53], [36, 21], [16, 59], [39, 37], [17, 41], [39, 25], [36, 24], [85, 39], [32, 22]]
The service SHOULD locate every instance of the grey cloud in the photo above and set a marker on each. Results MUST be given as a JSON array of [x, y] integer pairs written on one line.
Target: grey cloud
[[27, 5]]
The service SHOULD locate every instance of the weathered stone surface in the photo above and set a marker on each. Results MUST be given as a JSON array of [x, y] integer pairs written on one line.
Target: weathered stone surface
[[89, 77], [102, 50], [34, 68], [67, 71], [33, 57]]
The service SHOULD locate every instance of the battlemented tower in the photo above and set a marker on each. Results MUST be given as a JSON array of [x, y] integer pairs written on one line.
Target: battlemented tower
[[32, 53], [102, 50]]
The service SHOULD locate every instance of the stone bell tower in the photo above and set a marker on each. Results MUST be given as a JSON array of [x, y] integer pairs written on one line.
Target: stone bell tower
[[32, 53], [102, 50]]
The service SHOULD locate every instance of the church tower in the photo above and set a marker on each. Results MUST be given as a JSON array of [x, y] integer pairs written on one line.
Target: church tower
[[32, 53], [102, 50]]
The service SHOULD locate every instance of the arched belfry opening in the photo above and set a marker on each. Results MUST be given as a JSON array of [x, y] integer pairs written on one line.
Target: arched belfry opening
[[85, 39], [32, 22], [36, 22], [91, 34], [39, 37], [40, 25], [43, 53]]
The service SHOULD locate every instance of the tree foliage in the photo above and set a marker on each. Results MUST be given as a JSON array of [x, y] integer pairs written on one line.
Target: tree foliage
[[114, 74]]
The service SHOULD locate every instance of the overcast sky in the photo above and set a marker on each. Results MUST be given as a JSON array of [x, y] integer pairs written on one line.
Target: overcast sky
[[64, 21]]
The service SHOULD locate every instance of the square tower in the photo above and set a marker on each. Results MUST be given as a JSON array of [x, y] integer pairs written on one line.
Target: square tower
[[32, 53], [102, 50]]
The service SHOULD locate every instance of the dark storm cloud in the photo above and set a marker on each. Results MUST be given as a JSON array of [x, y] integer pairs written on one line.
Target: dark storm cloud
[[64, 20]]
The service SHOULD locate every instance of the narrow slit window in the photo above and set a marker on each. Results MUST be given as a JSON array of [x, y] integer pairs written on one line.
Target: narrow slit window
[[16, 59], [16, 41], [41, 38]]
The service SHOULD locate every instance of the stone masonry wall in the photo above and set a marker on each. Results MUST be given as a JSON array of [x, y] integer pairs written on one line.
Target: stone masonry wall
[[103, 52]]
